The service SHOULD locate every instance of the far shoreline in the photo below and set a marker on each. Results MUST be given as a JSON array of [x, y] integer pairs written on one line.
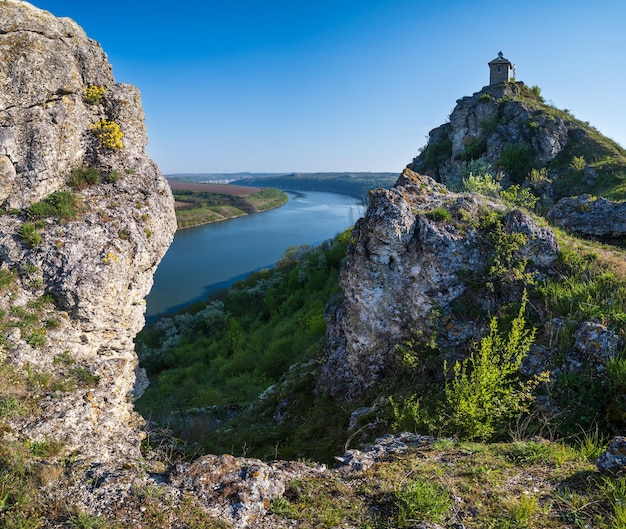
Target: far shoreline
[[199, 204]]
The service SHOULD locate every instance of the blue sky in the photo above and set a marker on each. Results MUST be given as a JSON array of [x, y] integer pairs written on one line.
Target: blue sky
[[343, 85]]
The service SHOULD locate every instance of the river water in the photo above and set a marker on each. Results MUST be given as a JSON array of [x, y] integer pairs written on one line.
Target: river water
[[213, 256]]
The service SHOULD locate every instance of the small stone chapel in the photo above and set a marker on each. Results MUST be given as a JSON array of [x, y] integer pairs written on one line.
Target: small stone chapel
[[499, 70]]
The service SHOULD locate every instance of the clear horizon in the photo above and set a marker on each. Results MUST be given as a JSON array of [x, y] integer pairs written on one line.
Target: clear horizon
[[343, 85]]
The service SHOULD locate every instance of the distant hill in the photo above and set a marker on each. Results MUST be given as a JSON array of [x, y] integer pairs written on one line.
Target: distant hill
[[220, 178], [357, 185]]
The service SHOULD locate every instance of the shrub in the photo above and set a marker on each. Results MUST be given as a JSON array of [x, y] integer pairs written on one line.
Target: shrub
[[578, 163], [93, 94], [485, 392], [440, 214], [474, 149], [435, 153], [485, 184], [84, 176], [536, 91], [29, 234], [109, 134], [519, 197], [63, 204], [518, 160]]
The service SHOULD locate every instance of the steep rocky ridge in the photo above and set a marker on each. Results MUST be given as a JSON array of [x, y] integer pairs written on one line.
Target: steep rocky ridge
[[74, 297]]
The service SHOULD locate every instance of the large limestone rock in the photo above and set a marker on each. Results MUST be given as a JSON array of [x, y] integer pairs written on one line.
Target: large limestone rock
[[589, 216], [75, 352], [406, 267]]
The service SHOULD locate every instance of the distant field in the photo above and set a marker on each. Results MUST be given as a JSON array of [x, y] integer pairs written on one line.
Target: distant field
[[200, 203], [222, 189]]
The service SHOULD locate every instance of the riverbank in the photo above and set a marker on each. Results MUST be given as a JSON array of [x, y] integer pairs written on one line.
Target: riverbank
[[198, 204], [213, 256]]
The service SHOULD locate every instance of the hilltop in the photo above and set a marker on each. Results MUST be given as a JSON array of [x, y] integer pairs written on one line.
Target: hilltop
[[510, 127]]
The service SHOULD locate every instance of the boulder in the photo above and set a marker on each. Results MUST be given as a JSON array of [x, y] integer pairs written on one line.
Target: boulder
[[406, 266], [592, 217]]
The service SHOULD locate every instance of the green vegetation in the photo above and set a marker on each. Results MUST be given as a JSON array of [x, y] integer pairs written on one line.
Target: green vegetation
[[64, 205], [518, 160], [29, 234], [212, 361], [202, 207], [532, 485], [484, 395]]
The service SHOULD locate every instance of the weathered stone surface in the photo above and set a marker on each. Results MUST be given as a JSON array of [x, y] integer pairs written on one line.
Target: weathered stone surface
[[404, 271], [383, 448], [98, 266], [613, 461], [597, 342], [590, 217], [234, 489]]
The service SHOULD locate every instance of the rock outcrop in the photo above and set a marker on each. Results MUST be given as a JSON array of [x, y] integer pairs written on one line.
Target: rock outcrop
[[591, 217], [87, 218], [491, 121], [406, 266]]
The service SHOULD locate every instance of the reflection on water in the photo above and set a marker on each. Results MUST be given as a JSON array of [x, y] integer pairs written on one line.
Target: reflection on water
[[213, 256]]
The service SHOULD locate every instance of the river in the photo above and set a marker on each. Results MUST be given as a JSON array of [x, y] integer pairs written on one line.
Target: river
[[213, 256]]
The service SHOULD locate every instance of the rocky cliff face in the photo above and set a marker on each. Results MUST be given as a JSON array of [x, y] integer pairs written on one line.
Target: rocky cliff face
[[87, 218], [408, 263]]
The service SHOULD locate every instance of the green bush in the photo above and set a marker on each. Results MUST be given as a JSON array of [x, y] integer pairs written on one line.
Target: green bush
[[439, 214], [64, 204], [485, 184], [518, 160], [474, 149], [522, 198], [85, 176], [536, 91], [485, 392], [435, 153], [578, 163]]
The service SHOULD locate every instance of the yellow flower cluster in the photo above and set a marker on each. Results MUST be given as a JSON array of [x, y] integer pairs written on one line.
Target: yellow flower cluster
[[109, 134], [93, 94], [110, 258]]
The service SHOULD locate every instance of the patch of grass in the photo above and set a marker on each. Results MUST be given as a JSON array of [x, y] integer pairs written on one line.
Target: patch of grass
[[440, 214], [84, 176], [421, 499], [30, 234], [64, 204]]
